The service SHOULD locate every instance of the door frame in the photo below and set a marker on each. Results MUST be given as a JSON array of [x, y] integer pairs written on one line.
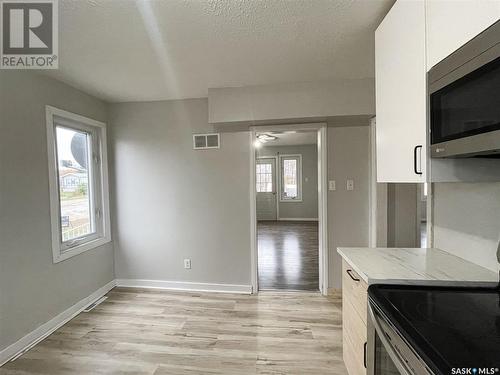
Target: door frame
[[276, 185], [320, 128], [378, 197]]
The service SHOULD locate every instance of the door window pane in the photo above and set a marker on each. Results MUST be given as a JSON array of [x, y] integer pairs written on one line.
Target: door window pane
[[264, 178], [73, 163]]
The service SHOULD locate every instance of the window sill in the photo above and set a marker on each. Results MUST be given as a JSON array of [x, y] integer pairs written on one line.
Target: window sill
[[290, 200], [59, 255]]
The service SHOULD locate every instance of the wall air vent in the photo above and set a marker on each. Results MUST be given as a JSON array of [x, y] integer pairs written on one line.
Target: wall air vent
[[206, 141]]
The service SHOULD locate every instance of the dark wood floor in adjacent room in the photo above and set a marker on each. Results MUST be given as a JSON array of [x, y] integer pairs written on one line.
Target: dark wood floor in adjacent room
[[288, 255], [154, 332]]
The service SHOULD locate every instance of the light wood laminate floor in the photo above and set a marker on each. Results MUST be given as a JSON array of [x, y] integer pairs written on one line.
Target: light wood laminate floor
[[288, 255], [157, 332]]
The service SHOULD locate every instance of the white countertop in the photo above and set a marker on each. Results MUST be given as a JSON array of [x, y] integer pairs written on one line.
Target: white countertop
[[414, 266]]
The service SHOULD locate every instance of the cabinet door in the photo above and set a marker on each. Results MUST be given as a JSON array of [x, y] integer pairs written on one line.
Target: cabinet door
[[451, 24], [354, 316], [400, 74]]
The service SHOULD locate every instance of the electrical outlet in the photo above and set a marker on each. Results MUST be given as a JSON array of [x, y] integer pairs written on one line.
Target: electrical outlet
[[187, 264], [331, 185], [350, 185]]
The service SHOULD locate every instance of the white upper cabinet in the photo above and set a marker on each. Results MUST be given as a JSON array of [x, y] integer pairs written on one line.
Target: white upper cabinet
[[400, 73], [451, 24]]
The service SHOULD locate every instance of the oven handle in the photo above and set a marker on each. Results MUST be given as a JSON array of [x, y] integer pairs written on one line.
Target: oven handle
[[398, 361]]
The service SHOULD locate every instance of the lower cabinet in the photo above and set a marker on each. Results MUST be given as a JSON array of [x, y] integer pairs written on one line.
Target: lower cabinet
[[354, 317]]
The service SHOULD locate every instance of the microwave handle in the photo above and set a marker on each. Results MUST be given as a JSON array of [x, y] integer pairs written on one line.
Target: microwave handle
[[415, 164]]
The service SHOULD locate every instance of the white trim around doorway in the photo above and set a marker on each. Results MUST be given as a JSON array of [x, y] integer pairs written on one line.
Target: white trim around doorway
[[322, 199]]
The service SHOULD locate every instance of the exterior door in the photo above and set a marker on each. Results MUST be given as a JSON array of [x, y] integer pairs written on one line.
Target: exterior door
[[266, 188]]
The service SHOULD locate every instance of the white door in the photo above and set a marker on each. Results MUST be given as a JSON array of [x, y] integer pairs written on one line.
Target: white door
[[400, 78], [266, 188]]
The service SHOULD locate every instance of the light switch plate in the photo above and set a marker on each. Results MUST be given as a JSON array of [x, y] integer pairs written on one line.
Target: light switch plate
[[187, 264], [331, 185], [350, 185]]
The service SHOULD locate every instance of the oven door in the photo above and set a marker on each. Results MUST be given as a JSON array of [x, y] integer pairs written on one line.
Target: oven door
[[387, 352]]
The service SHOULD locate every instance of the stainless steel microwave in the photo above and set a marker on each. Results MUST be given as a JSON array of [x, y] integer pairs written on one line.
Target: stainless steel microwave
[[464, 99]]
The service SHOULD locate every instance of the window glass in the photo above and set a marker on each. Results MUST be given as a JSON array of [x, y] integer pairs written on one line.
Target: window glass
[[73, 165], [290, 183], [264, 178]]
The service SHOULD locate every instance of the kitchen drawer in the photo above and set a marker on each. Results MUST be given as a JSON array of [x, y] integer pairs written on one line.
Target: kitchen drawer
[[354, 290], [353, 341]]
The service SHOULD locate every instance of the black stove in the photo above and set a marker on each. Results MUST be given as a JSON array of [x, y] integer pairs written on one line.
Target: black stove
[[454, 330]]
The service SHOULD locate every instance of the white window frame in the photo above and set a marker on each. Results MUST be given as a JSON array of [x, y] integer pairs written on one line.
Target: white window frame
[[99, 205], [298, 157]]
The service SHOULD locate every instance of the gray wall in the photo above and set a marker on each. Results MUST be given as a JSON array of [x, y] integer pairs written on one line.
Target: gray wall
[[308, 208], [467, 221], [307, 101], [402, 227], [169, 202], [174, 202], [33, 289], [195, 204], [348, 211]]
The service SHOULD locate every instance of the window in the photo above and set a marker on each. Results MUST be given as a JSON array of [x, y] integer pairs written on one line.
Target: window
[[78, 179], [291, 178], [264, 178]]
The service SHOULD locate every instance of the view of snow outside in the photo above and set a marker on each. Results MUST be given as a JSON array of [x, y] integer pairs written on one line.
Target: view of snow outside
[[290, 178], [74, 193]]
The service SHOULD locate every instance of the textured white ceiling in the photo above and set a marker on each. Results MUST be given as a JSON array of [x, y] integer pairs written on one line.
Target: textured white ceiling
[[126, 50]]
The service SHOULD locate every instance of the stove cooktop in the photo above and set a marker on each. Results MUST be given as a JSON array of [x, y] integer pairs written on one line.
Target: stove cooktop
[[451, 328]]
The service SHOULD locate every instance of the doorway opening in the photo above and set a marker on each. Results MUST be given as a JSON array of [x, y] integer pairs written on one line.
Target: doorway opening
[[407, 215], [288, 210]]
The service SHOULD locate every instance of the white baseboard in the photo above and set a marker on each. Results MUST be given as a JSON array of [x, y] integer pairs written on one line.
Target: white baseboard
[[34, 337], [185, 285], [298, 219]]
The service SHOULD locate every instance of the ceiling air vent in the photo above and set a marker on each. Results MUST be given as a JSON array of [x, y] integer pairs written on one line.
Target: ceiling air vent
[[206, 141]]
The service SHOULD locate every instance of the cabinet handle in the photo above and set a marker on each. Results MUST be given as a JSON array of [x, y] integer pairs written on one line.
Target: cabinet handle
[[364, 353], [415, 167], [349, 272]]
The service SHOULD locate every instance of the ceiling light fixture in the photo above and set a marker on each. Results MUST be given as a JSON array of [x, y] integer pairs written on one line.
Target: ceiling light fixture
[[266, 137]]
